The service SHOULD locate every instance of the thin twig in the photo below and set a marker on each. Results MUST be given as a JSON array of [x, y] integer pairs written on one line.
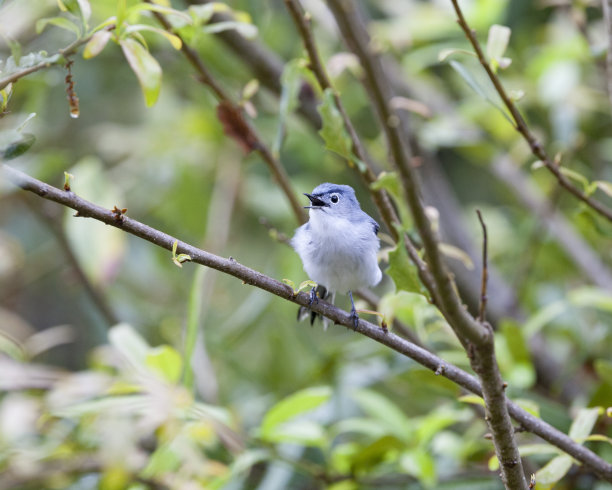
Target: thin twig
[[477, 338], [485, 272], [61, 59], [521, 126], [250, 276], [204, 76]]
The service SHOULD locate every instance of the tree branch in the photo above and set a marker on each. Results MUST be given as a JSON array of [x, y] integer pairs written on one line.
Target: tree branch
[[521, 126], [250, 276], [469, 331], [482, 309]]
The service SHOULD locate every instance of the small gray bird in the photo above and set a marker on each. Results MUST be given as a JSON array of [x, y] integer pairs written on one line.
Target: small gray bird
[[338, 245]]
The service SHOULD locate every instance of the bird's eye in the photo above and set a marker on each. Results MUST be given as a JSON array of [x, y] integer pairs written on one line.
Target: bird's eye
[[335, 198]]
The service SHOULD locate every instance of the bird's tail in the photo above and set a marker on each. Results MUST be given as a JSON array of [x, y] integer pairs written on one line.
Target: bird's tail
[[304, 312]]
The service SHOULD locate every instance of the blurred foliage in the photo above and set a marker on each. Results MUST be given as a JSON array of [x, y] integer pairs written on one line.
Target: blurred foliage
[[236, 394]]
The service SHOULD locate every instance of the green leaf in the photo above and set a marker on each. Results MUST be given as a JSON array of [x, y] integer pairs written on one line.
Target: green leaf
[[584, 422], [468, 78], [291, 81], [333, 131], [603, 368], [580, 429], [375, 453], [153, 7], [473, 399], [360, 425], [590, 297], [85, 8], [475, 86], [389, 181], [388, 413], [420, 464], [130, 344], [497, 42], [246, 30], [445, 53], [529, 406], [194, 312], [203, 13], [303, 432], [163, 460], [290, 283], [61, 22], [308, 284], [96, 44], [294, 405], [556, 469], [578, 177], [12, 347], [456, 253], [165, 362], [21, 143], [250, 89], [544, 316], [604, 186], [402, 270], [174, 40], [131, 404], [145, 67]]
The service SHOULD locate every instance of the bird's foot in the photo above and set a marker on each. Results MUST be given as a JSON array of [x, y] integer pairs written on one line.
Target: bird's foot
[[354, 315], [354, 318], [313, 296]]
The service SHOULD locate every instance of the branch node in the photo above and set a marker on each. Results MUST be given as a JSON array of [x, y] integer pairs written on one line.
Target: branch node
[[441, 369], [118, 213]]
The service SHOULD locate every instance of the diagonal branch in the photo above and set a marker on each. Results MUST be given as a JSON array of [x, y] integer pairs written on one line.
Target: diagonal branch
[[521, 126], [477, 338], [250, 276]]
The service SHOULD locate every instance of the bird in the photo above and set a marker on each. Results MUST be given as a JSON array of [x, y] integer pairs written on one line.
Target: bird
[[338, 245]]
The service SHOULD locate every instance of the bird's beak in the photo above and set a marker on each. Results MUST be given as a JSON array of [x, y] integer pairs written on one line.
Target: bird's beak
[[315, 202]]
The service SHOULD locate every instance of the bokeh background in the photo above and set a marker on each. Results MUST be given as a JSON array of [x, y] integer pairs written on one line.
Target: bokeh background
[[173, 168]]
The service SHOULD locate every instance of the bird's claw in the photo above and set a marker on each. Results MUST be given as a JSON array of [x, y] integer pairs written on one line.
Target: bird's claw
[[354, 318], [313, 297]]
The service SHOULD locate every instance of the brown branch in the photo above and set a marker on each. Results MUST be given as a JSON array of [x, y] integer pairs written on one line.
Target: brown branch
[[205, 77], [476, 338], [521, 126], [252, 277], [482, 309]]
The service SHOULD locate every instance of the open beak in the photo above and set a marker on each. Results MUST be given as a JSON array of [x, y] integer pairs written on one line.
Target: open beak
[[315, 202]]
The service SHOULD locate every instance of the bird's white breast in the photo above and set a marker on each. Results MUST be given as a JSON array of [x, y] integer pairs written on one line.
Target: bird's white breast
[[338, 254]]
